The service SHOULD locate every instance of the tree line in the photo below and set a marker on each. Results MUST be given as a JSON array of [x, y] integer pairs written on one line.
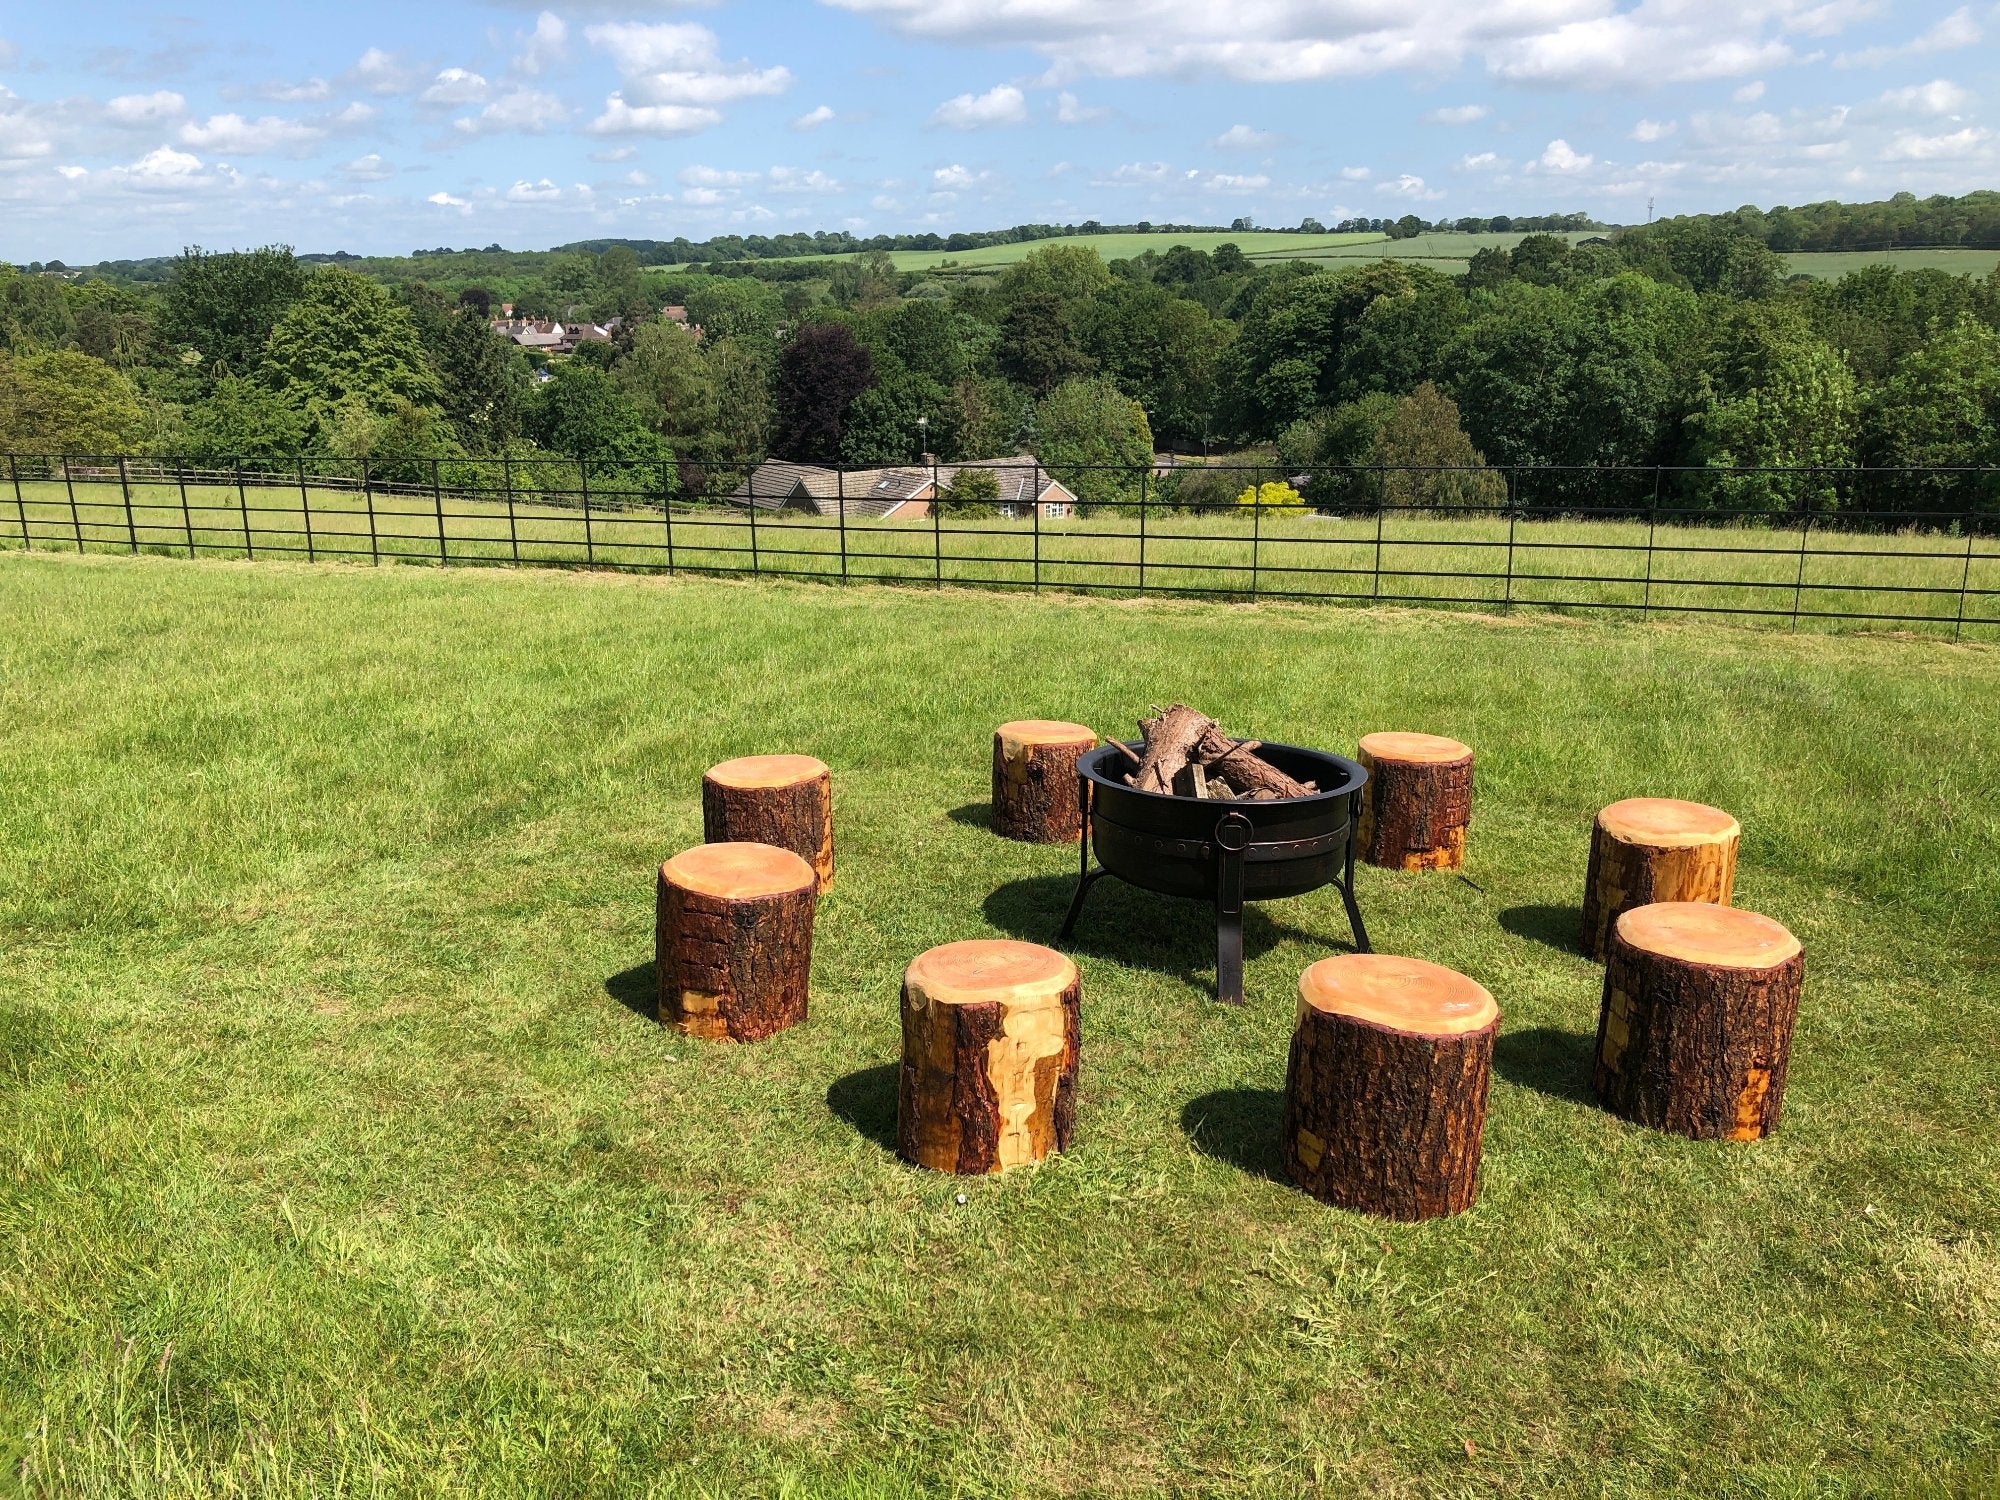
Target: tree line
[[1683, 345]]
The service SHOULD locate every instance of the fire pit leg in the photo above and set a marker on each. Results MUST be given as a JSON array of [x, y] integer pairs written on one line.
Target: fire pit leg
[[1086, 877], [1361, 944], [1232, 837]]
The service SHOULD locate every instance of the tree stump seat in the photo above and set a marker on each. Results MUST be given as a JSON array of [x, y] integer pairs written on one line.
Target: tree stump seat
[[1694, 1035], [1385, 1092], [990, 1034], [1650, 849], [732, 943], [1034, 779], [784, 800], [1418, 802]]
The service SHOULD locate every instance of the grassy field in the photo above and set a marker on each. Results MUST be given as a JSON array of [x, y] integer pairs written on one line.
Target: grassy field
[[1831, 265], [1931, 582], [338, 1154]]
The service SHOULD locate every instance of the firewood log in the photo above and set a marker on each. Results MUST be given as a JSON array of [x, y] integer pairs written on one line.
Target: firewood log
[[1245, 770], [1170, 744]]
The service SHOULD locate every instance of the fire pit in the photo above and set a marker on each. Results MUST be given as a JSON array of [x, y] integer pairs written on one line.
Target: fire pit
[[1227, 852]]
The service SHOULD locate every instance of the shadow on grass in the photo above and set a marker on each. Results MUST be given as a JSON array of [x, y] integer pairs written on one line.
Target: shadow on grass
[[1556, 927], [1140, 929], [1552, 1062], [637, 990], [973, 815], [867, 1101], [1239, 1126]]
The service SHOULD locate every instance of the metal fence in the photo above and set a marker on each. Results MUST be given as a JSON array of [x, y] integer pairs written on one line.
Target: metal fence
[[1916, 548]]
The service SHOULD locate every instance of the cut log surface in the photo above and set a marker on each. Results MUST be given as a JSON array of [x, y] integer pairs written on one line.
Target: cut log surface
[[782, 800], [1171, 738], [1418, 803], [990, 1037], [1385, 1095], [1653, 849], [1694, 1035], [732, 945], [1034, 779]]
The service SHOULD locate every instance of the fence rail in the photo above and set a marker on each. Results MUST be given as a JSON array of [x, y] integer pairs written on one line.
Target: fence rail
[[1907, 548]]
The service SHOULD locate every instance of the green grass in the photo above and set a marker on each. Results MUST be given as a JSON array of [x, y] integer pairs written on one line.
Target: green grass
[[335, 1157], [1831, 265], [1113, 247], [1919, 581]]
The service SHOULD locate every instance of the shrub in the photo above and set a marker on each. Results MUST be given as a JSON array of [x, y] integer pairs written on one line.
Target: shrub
[[1275, 496], [972, 492]]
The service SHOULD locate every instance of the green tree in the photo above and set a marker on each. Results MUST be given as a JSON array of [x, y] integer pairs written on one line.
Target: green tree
[[972, 492], [402, 446], [243, 418], [820, 374], [481, 382], [34, 313], [224, 306], [669, 383], [1039, 346], [579, 414], [1068, 273], [1095, 440], [882, 424], [347, 342], [865, 282], [64, 403], [1164, 351], [1427, 459], [1782, 399], [1940, 411]]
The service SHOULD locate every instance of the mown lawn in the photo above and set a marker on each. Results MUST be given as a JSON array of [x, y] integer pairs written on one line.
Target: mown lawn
[[337, 1155]]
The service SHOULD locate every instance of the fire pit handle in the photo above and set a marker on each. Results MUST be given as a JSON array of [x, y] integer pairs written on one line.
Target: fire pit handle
[[1232, 836]]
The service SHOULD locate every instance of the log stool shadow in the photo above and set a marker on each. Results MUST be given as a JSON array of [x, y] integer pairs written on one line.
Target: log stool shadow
[[1240, 1127], [637, 989], [973, 815], [866, 1099], [1548, 1059], [1552, 926]]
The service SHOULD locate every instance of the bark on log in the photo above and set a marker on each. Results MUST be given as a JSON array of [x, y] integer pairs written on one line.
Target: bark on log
[[732, 945], [782, 800], [1650, 849], [1695, 1032], [1034, 780], [1241, 766], [1170, 745], [1418, 803], [990, 1036], [1385, 1095]]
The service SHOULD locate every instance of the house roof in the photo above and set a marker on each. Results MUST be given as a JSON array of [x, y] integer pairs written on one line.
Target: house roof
[[777, 482]]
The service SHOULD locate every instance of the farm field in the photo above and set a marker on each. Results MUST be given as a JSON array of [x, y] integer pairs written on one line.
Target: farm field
[[341, 1156], [1444, 252], [1116, 246], [1921, 581], [1831, 265]]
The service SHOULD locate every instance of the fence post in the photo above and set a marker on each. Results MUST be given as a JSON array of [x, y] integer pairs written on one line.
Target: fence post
[[75, 519], [305, 506], [187, 517], [1964, 578], [507, 477], [1799, 583], [28, 541], [937, 534], [1652, 522], [756, 564], [667, 510], [1143, 475], [1513, 517], [125, 489], [840, 501], [589, 542], [437, 500], [1035, 510], [1381, 509], [1256, 541], [243, 509], [368, 503]]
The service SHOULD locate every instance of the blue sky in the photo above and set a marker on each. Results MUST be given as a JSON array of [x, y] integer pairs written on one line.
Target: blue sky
[[127, 130]]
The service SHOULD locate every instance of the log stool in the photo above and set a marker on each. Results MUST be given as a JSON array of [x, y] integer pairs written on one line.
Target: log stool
[[1695, 1032], [1648, 849], [989, 1056], [1418, 801], [732, 946], [786, 800], [1034, 780], [1385, 1095]]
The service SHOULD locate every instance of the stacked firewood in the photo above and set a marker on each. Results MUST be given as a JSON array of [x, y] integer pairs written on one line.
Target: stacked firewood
[[1188, 755]]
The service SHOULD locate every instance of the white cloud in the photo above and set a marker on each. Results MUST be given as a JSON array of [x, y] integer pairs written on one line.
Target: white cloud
[[1356, 174], [795, 180], [955, 178], [620, 118], [813, 118], [1136, 174], [1956, 30], [1072, 111], [1654, 130], [1958, 146], [1408, 185], [1244, 138], [167, 171], [145, 109], [1750, 93], [528, 110], [714, 177], [545, 46], [369, 168], [308, 92], [232, 135], [23, 137], [1458, 114], [1483, 161], [1001, 105], [1228, 182], [447, 200], [381, 72], [524, 191], [673, 77], [1697, 44], [1561, 157], [1938, 97], [8, 53], [456, 86], [73, 174]]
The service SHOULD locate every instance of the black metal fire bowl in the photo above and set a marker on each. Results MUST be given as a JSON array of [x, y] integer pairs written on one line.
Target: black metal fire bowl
[[1224, 852]]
